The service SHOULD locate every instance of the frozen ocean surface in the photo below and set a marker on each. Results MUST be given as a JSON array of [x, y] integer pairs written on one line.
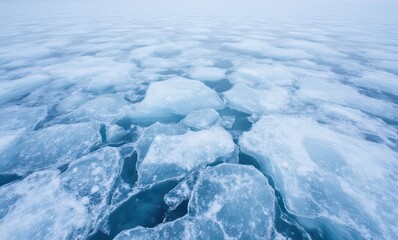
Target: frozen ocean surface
[[224, 120]]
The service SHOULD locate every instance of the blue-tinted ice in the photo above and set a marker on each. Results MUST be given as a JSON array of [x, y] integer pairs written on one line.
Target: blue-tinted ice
[[247, 125]]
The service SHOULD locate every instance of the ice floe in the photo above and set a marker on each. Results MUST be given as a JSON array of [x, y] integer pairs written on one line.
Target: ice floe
[[174, 96]]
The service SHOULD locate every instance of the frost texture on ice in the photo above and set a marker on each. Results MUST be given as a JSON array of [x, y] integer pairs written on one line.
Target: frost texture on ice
[[175, 156], [49, 147], [16, 121], [15, 117], [50, 205], [320, 172], [229, 201]]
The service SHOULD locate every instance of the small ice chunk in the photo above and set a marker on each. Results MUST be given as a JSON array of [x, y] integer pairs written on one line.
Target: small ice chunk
[[220, 195], [207, 73], [49, 147], [50, 205], [115, 133], [175, 96], [227, 121], [175, 156], [181, 192], [202, 119], [257, 101]]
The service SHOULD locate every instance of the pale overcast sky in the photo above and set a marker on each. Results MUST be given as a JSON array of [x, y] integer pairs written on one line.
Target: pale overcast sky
[[386, 8]]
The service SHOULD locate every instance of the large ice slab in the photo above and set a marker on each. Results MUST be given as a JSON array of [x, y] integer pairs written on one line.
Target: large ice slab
[[175, 156], [50, 205], [49, 147], [175, 96], [229, 202], [320, 172]]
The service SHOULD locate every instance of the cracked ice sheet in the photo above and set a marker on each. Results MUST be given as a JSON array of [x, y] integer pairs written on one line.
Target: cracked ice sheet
[[50, 205], [220, 194], [320, 172], [70, 63]]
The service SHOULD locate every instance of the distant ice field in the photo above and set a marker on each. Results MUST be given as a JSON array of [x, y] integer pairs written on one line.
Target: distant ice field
[[198, 127]]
